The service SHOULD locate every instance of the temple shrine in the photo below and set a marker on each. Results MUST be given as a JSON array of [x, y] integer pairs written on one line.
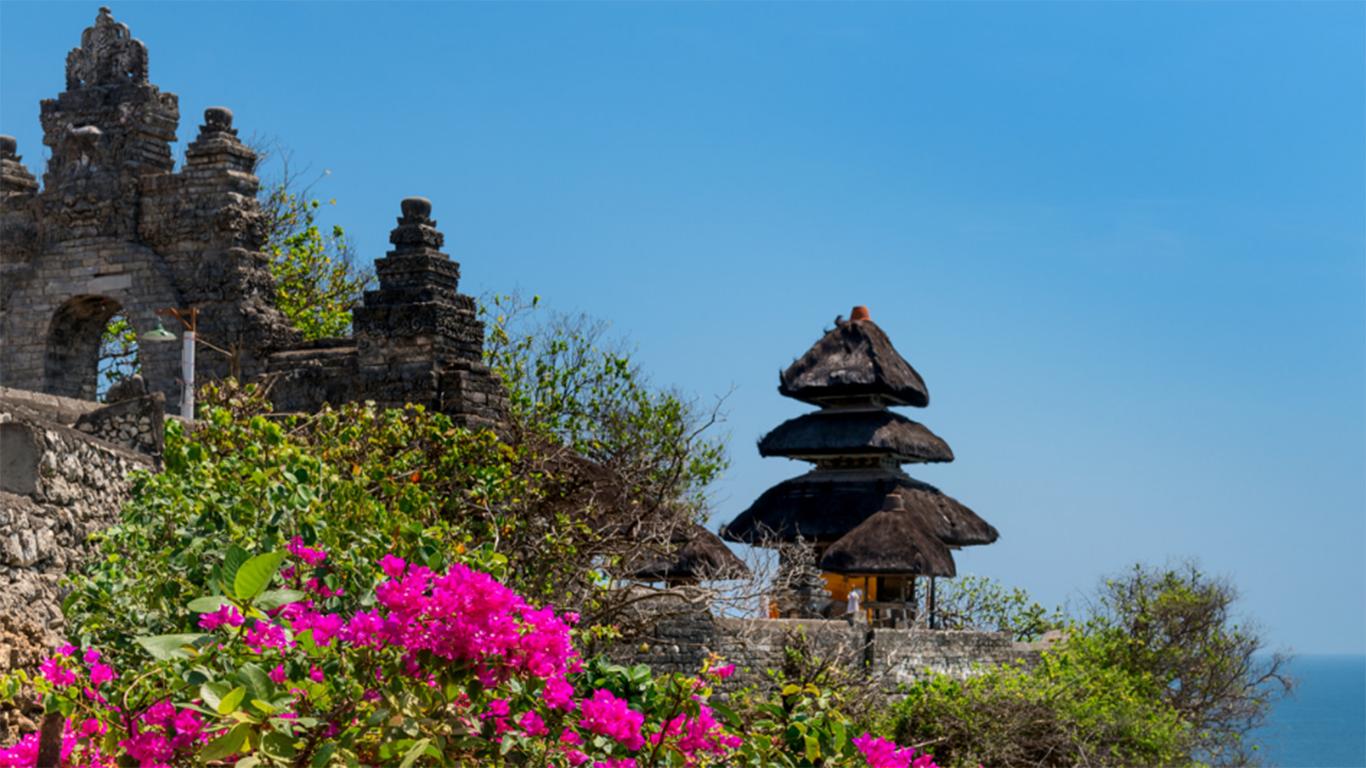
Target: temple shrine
[[873, 527]]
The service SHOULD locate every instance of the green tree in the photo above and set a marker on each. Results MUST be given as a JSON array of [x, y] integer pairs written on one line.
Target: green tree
[[569, 381], [357, 481], [980, 603], [1176, 625], [118, 353], [317, 278], [1068, 709], [317, 282], [644, 456], [1156, 671]]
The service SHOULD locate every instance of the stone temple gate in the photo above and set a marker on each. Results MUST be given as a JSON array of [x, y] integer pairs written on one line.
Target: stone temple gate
[[116, 229]]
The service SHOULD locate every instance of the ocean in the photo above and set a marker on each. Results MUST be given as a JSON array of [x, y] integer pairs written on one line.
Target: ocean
[[1323, 723]]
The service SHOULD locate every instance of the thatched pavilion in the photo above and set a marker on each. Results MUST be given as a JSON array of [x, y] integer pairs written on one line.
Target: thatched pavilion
[[694, 555], [873, 527]]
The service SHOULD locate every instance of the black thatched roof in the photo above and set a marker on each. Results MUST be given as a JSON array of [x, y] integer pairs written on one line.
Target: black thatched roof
[[892, 541], [836, 432], [699, 554], [824, 505], [854, 360]]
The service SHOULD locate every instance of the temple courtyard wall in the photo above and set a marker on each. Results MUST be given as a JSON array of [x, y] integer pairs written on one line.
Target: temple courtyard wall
[[64, 474], [681, 639]]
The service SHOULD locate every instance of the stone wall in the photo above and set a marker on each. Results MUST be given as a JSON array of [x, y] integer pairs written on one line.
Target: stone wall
[[686, 633], [902, 655], [57, 486], [138, 423], [115, 229]]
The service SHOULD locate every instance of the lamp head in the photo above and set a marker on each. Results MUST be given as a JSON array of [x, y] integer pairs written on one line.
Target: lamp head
[[158, 334]]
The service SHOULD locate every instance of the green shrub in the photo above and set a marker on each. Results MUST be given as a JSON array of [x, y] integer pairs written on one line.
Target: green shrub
[[357, 481], [1070, 709], [1157, 672]]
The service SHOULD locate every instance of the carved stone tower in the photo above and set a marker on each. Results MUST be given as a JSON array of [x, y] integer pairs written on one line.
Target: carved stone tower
[[117, 229]]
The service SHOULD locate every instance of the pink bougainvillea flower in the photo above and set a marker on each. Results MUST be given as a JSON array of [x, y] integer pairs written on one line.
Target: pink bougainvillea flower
[[881, 753], [558, 694], [101, 673], [55, 673], [227, 615], [264, 634], [603, 713], [308, 555], [532, 724], [393, 566]]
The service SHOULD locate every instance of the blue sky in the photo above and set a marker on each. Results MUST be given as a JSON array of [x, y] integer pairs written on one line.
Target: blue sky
[[1123, 243]]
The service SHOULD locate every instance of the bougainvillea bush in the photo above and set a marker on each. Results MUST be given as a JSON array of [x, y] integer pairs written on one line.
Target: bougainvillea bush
[[448, 667], [360, 481]]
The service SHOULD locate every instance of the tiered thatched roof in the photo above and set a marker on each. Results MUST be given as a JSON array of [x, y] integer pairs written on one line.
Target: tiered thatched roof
[[892, 541], [854, 360], [830, 433], [824, 505], [853, 373]]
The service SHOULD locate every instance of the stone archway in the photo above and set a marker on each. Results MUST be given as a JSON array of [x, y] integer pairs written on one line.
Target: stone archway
[[57, 310], [71, 366]]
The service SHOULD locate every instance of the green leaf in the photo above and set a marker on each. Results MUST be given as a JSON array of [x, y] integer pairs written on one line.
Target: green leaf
[[255, 574], [272, 599], [839, 733], [167, 647], [278, 745], [208, 604], [232, 562], [228, 704], [213, 693], [227, 744], [324, 755], [813, 748], [414, 753], [256, 679]]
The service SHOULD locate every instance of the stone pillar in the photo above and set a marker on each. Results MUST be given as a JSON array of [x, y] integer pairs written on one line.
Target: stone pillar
[[17, 190], [206, 223], [402, 328], [418, 338], [218, 151], [15, 178]]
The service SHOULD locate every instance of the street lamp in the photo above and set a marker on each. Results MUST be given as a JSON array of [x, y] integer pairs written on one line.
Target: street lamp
[[190, 319], [158, 334]]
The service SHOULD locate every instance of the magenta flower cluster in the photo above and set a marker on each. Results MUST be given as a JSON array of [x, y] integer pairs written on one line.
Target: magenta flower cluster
[[154, 737], [881, 753], [436, 630]]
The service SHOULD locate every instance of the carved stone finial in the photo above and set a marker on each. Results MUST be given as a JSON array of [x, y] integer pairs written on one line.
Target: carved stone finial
[[416, 231], [14, 177], [416, 210], [108, 55], [218, 118]]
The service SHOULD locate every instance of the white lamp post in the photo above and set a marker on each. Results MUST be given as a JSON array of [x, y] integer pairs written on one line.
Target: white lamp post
[[190, 318]]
